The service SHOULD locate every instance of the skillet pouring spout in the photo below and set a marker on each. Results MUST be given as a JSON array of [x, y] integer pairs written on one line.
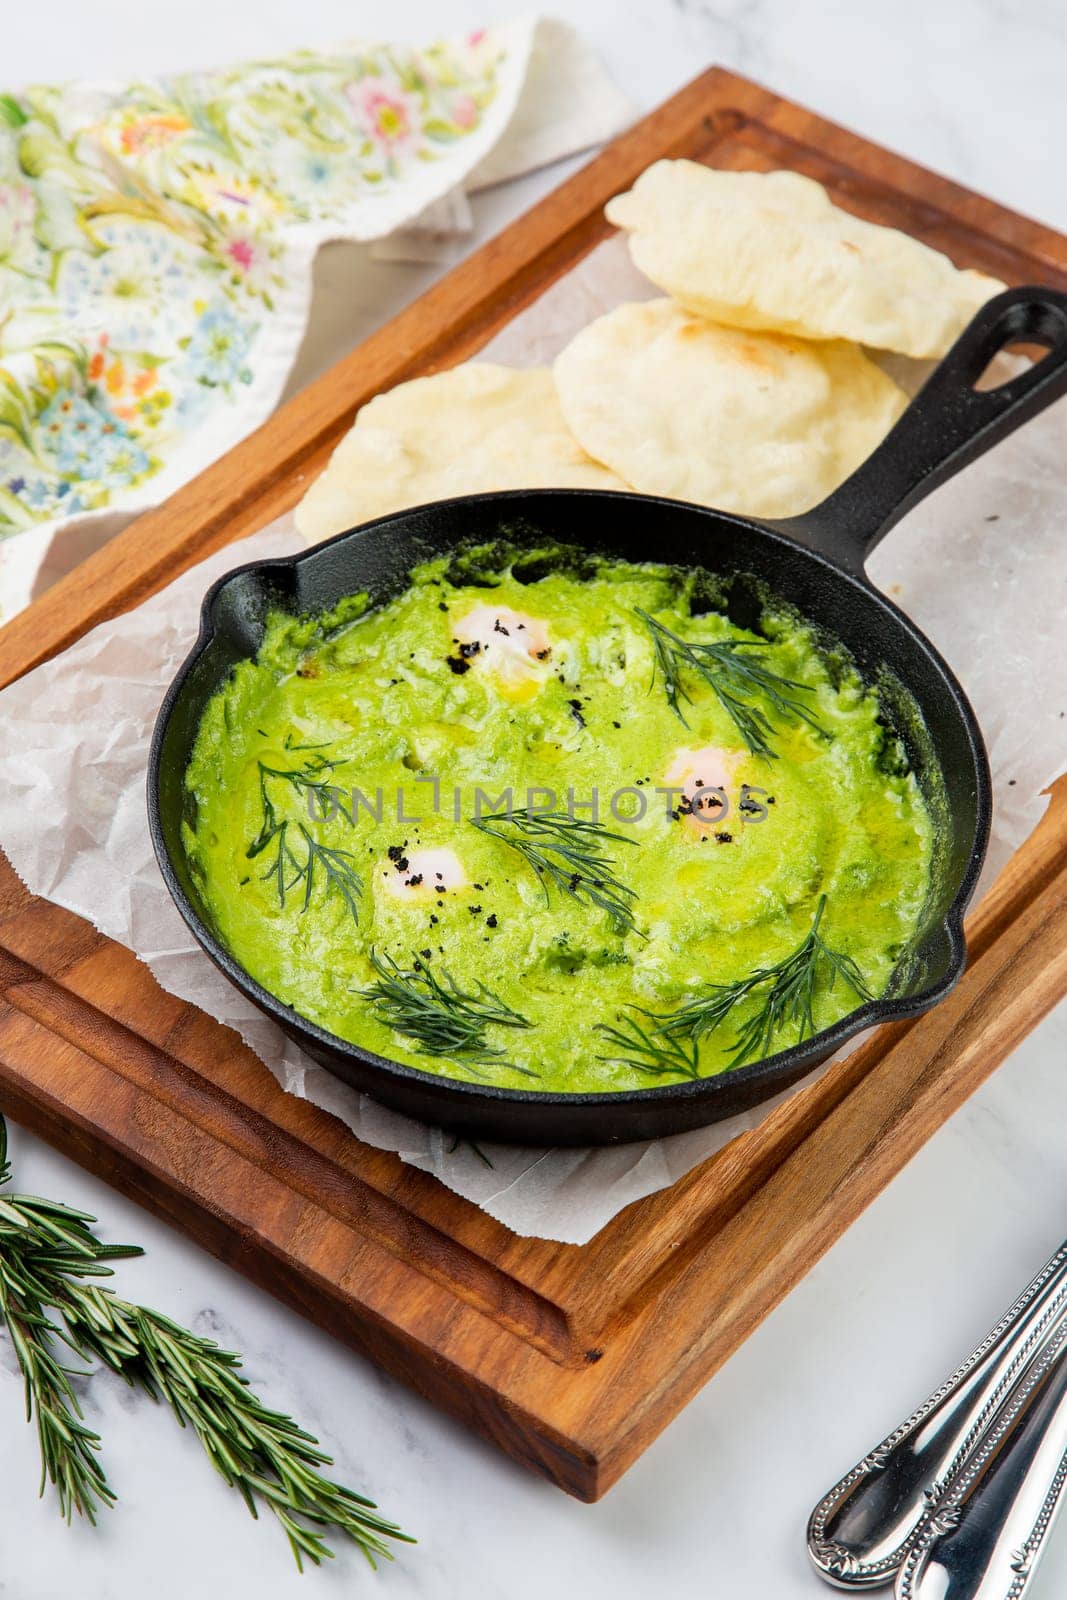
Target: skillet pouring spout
[[813, 562]]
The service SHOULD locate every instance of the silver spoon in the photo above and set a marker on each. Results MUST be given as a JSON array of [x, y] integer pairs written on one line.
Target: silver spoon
[[985, 1540], [860, 1532]]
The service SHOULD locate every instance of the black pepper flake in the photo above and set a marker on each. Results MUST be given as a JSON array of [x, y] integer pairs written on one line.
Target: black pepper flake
[[616, 724], [1011, 783], [725, 838], [479, 887], [543, 655], [469, 648], [434, 919], [490, 920], [498, 627], [475, 911], [458, 665], [414, 881], [770, 799], [576, 712], [242, 881], [441, 606], [427, 953]]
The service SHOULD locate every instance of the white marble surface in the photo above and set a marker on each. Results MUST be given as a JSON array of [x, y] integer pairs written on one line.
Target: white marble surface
[[717, 1507]]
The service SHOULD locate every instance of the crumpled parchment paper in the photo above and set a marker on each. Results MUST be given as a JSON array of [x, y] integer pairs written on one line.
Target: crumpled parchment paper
[[981, 567]]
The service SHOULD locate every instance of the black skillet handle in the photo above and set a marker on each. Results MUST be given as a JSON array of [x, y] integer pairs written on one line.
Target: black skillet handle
[[946, 426]]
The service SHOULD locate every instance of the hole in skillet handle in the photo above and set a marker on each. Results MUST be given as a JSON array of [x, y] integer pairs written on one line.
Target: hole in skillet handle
[[949, 424]]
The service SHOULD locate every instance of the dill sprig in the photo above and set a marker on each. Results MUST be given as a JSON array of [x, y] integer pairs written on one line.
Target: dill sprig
[[645, 1050], [442, 1018], [48, 1255], [311, 777], [667, 1044], [786, 992], [567, 852], [336, 867], [736, 679]]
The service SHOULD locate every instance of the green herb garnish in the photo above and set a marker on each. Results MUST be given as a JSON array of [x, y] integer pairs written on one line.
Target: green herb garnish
[[336, 867], [735, 678], [786, 993], [646, 1051], [442, 1018], [668, 1043], [47, 1252], [567, 852], [310, 778]]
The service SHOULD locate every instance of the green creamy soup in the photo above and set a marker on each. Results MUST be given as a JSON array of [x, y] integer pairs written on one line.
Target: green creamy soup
[[558, 825]]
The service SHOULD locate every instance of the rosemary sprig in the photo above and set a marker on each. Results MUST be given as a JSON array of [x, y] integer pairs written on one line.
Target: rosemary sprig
[[47, 1255], [646, 1051], [38, 1241], [735, 678], [442, 1018], [567, 852], [786, 992]]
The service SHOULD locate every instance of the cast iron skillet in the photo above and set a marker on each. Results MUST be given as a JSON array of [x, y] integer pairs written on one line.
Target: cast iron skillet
[[814, 561]]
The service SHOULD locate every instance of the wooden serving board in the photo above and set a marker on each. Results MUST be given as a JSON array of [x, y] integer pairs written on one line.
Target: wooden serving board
[[571, 1358]]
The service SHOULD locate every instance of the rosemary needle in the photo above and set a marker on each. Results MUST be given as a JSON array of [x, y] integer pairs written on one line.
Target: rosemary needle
[[567, 852], [735, 677], [47, 1255]]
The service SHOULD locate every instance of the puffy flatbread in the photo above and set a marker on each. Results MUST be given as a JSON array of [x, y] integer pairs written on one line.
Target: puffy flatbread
[[476, 427], [757, 423], [771, 251]]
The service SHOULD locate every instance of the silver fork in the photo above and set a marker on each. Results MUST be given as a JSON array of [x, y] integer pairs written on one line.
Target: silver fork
[[861, 1532]]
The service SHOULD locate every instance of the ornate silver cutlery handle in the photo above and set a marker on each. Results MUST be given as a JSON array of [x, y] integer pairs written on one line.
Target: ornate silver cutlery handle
[[860, 1532], [985, 1540]]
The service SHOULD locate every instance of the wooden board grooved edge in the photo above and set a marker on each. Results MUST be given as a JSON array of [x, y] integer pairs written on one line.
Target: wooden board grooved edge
[[570, 1358]]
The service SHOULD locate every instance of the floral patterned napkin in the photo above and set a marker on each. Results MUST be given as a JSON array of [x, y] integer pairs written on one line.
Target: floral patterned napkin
[[156, 242]]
